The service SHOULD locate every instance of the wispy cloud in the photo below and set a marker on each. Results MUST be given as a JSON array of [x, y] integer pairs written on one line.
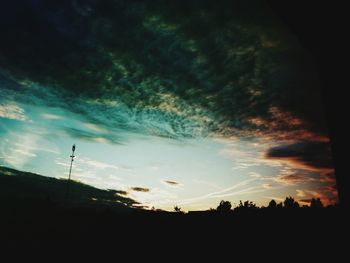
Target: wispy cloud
[[300, 193], [94, 127], [267, 186], [207, 183], [96, 164], [294, 179], [24, 152], [11, 110], [19, 153], [92, 136], [249, 190], [50, 116], [223, 192], [254, 174]]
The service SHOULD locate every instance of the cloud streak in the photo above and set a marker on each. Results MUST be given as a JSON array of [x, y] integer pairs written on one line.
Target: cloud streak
[[140, 189], [22, 151], [171, 183], [11, 110], [223, 192]]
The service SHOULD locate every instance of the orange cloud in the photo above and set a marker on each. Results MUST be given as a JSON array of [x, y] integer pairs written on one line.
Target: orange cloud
[[328, 195]]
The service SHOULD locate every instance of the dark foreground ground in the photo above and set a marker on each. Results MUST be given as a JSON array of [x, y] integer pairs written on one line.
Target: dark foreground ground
[[34, 214]]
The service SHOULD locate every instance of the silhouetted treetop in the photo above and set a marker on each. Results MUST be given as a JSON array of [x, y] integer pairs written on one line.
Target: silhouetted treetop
[[177, 209], [246, 205], [272, 204], [316, 203], [289, 202], [224, 206]]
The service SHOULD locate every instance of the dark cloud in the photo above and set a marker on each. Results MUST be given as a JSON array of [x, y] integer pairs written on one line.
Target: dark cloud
[[118, 192], [140, 189], [333, 189], [153, 68], [172, 183], [7, 83], [316, 154]]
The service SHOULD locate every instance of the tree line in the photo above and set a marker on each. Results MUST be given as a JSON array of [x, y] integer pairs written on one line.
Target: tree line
[[288, 203]]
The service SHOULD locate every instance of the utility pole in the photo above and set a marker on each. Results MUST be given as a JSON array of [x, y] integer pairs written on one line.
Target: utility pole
[[70, 170]]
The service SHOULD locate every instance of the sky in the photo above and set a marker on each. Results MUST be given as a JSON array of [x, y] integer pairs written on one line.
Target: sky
[[184, 104]]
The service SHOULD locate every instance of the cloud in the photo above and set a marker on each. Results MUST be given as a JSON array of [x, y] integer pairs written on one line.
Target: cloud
[[300, 193], [140, 189], [254, 174], [12, 111], [94, 127], [92, 137], [161, 75], [207, 183], [332, 189], [306, 201], [328, 177], [118, 192], [93, 172], [97, 164], [24, 152], [312, 154], [327, 194], [49, 116], [226, 192], [154, 168], [20, 153], [173, 80], [171, 183], [155, 197], [294, 179], [62, 163]]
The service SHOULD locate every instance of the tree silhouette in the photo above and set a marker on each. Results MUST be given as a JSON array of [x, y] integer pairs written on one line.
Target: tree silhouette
[[289, 202], [279, 205], [316, 203], [177, 209], [224, 206], [272, 204]]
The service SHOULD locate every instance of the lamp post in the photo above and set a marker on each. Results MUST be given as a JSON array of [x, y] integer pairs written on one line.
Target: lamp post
[[70, 170]]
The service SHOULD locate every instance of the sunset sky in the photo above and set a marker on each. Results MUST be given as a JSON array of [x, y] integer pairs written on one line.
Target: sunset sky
[[182, 104]]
